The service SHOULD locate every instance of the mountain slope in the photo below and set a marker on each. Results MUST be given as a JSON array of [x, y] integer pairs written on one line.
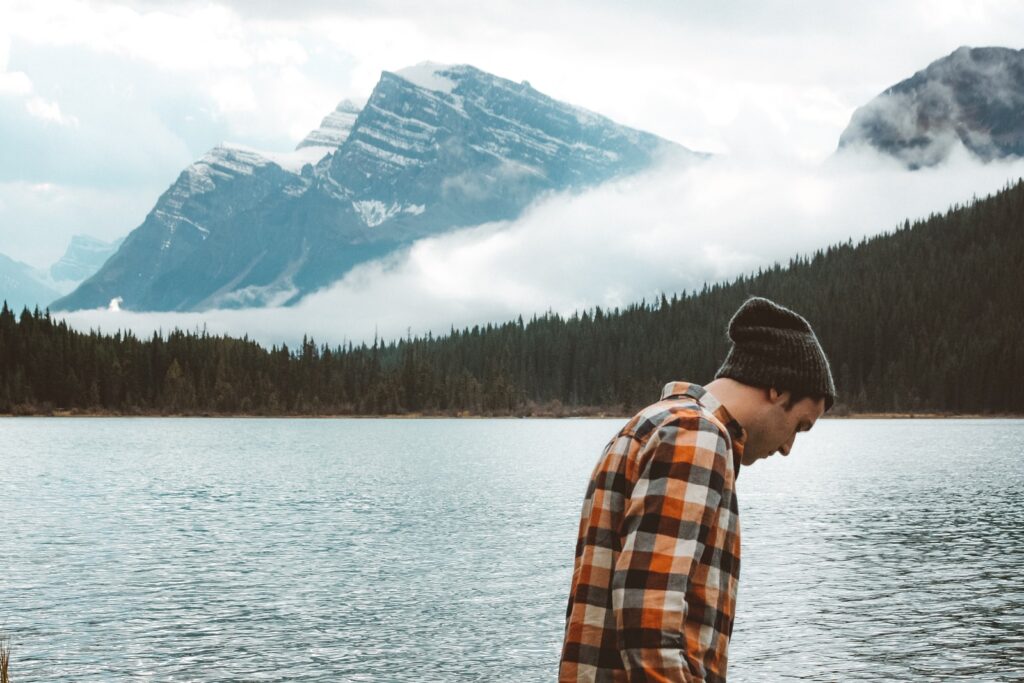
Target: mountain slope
[[435, 148], [21, 285], [334, 128], [973, 97], [83, 257]]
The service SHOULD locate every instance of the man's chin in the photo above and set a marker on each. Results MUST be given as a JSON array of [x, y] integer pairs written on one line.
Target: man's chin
[[749, 460]]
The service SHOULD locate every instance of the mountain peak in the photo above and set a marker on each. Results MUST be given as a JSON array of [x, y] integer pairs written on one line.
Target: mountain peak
[[435, 148], [334, 128], [83, 257], [447, 78], [431, 75], [971, 97], [22, 285]]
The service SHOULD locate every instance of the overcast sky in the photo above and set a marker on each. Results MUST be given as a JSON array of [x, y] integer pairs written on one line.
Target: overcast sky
[[103, 103]]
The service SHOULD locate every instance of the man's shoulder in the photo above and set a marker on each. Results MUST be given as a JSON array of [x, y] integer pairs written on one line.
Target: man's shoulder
[[676, 412]]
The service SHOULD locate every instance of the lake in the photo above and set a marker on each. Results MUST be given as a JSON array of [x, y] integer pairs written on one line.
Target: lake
[[441, 550]]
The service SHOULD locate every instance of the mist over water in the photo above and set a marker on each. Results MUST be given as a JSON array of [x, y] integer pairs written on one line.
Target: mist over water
[[441, 550]]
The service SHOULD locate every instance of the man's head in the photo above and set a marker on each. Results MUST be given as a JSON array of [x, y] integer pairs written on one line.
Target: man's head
[[773, 419], [786, 382]]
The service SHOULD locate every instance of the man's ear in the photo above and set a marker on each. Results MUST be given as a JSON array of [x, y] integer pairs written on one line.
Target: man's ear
[[777, 398]]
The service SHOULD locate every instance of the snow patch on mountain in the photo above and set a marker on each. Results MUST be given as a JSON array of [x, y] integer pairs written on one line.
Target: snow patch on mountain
[[429, 76], [228, 160], [174, 220], [374, 212]]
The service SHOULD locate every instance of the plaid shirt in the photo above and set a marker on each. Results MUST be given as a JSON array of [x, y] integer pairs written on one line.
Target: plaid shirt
[[658, 557]]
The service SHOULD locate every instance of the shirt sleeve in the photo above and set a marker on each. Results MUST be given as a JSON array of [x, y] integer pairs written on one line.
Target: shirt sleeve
[[665, 526]]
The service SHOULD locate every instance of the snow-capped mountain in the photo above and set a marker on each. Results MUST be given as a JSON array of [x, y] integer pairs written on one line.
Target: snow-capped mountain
[[83, 257], [22, 285], [434, 148], [973, 97]]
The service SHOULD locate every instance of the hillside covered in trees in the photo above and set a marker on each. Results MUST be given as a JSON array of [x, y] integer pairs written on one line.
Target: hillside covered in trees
[[927, 318]]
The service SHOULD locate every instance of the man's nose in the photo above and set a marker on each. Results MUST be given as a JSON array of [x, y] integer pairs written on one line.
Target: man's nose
[[788, 446]]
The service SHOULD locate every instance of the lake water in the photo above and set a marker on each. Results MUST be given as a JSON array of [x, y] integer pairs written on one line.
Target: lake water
[[441, 550]]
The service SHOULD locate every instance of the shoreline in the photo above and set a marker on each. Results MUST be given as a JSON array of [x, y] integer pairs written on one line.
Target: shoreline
[[590, 414]]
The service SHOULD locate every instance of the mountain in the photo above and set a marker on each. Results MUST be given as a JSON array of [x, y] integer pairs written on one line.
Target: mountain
[[21, 285], [83, 257], [973, 97], [334, 128], [435, 148]]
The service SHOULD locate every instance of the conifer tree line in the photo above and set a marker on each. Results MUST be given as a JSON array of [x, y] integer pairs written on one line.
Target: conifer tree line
[[929, 317]]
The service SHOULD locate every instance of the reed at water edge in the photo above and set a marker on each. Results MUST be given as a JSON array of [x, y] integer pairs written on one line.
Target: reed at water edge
[[5, 657]]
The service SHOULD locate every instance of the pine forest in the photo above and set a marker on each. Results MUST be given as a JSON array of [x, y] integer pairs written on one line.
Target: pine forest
[[927, 318]]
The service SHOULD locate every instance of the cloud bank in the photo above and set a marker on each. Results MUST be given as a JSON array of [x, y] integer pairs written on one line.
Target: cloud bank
[[103, 102], [668, 230], [107, 95]]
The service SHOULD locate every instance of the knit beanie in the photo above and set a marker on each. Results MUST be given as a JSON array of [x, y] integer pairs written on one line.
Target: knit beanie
[[775, 347]]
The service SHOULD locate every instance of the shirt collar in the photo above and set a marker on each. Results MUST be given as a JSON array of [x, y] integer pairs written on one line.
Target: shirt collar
[[712, 404]]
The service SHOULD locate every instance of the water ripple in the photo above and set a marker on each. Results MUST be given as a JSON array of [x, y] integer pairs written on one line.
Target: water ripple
[[434, 550]]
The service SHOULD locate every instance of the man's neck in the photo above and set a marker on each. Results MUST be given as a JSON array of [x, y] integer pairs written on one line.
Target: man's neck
[[738, 398]]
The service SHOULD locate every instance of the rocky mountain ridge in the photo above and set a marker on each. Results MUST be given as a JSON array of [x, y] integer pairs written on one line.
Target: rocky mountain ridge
[[22, 285], [83, 257], [434, 149], [973, 97]]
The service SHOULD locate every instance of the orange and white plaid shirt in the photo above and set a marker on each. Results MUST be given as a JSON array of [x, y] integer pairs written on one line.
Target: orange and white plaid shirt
[[658, 557]]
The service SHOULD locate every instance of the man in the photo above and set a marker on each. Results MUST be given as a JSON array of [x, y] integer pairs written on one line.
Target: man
[[657, 561]]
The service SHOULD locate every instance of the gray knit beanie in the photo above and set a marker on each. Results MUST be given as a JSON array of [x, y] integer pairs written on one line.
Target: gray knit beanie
[[775, 347]]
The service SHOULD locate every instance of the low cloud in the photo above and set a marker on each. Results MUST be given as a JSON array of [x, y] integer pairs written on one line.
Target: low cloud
[[668, 230], [17, 85], [950, 103], [48, 110], [249, 75]]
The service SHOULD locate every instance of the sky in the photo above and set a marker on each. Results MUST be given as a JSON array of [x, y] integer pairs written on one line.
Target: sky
[[103, 103]]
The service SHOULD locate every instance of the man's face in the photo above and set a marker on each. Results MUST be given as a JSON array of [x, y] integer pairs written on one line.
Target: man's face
[[779, 425]]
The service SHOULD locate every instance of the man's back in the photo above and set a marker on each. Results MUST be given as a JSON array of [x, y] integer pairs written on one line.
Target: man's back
[[657, 559]]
